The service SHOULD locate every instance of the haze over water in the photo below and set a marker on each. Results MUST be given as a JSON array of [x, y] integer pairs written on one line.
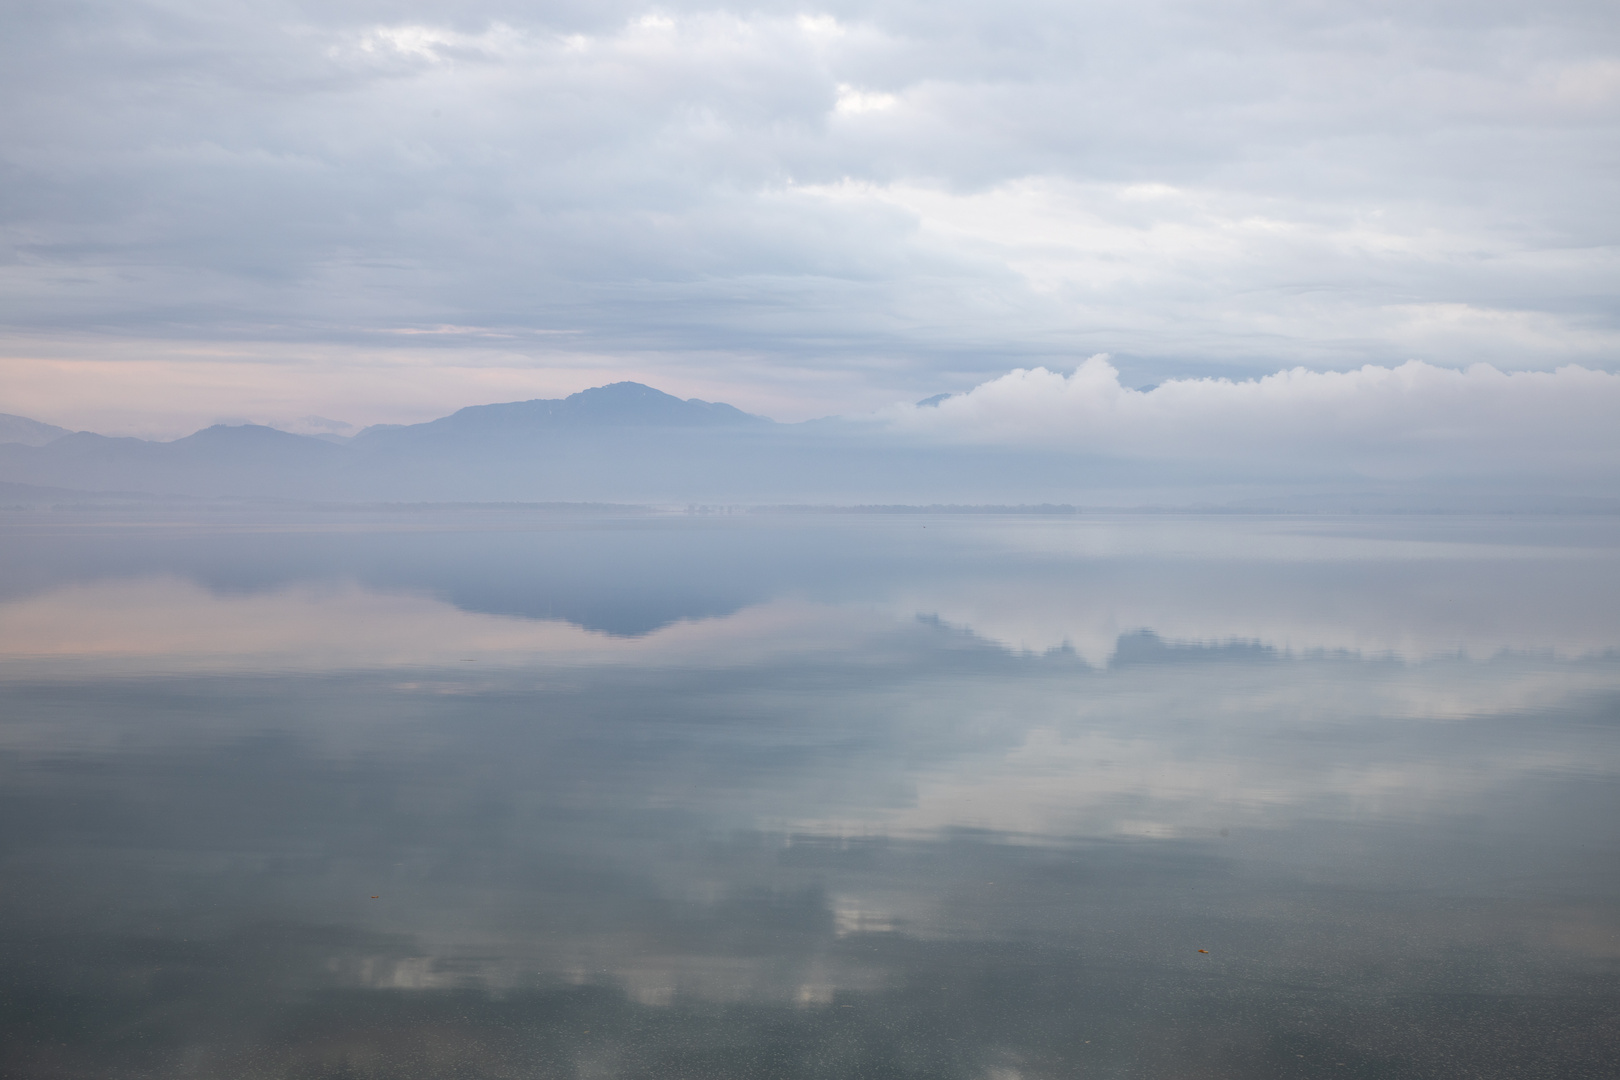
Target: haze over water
[[518, 793]]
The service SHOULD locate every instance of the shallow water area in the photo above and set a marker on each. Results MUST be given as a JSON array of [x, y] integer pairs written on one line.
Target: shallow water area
[[528, 792]]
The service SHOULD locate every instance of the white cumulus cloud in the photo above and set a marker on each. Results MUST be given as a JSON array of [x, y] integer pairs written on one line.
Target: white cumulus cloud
[[1396, 419]]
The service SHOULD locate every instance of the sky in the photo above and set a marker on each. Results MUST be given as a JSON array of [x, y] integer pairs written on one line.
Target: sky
[[347, 212]]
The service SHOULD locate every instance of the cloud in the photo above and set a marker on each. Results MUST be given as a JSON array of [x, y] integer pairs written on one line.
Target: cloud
[[852, 203], [1400, 421]]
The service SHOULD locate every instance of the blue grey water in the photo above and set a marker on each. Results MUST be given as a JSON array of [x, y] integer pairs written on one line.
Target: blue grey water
[[518, 792]]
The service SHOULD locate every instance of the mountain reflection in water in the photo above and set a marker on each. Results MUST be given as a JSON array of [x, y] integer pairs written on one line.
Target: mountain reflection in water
[[552, 795]]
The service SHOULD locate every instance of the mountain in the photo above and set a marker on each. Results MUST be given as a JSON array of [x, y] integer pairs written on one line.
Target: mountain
[[617, 405], [20, 429], [220, 460], [629, 443], [623, 441]]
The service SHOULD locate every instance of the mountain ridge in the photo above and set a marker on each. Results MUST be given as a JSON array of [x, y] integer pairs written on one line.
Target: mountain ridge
[[630, 443], [628, 439], [614, 405], [26, 431]]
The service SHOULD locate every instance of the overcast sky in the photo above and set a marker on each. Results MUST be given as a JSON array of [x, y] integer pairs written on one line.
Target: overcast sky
[[374, 211]]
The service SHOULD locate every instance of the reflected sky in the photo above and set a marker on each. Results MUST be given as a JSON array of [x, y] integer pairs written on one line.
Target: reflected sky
[[809, 795]]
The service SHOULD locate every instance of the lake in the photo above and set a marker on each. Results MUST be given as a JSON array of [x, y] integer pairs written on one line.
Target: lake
[[515, 792]]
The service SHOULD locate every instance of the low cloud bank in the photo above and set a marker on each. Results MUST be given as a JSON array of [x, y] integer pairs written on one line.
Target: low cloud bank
[[1392, 422]]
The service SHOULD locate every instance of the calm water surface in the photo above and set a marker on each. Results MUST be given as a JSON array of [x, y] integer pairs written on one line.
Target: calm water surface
[[514, 794]]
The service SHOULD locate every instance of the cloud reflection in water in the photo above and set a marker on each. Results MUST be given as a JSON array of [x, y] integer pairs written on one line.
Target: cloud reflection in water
[[834, 830]]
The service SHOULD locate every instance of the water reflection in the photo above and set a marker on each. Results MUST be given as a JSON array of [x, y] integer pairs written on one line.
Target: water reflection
[[1014, 799]]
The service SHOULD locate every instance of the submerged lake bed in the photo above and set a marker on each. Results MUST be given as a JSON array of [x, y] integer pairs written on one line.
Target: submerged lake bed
[[520, 792]]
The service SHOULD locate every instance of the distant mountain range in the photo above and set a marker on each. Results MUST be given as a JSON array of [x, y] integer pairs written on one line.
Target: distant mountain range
[[625, 440], [20, 429], [617, 405], [630, 443]]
